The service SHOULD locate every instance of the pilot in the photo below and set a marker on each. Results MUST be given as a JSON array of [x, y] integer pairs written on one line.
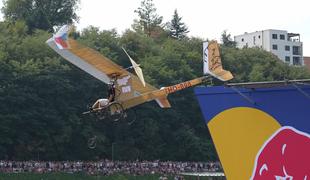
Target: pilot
[[111, 92], [105, 102]]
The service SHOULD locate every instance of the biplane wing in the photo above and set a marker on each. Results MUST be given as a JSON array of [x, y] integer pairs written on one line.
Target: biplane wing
[[97, 65]]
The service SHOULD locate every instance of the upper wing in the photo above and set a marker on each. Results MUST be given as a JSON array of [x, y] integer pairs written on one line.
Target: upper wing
[[93, 62]]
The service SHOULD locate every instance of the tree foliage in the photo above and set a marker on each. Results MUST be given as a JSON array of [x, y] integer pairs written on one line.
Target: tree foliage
[[42, 96], [227, 40], [149, 21], [41, 14], [177, 29]]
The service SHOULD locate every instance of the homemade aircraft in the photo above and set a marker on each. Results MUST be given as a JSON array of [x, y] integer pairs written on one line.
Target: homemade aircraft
[[131, 90]]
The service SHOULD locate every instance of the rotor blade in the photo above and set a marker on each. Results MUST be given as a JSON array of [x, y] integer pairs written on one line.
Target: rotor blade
[[136, 67]]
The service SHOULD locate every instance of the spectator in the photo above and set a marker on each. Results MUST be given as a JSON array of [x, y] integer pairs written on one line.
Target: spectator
[[106, 167]]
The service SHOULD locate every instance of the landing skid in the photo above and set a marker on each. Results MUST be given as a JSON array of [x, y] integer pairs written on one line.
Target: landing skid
[[114, 111]]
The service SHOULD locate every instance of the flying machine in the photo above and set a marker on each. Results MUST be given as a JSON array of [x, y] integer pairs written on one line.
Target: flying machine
[[131, 89]]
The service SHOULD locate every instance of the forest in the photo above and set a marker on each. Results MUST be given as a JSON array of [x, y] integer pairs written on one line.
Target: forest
[[42, 96]]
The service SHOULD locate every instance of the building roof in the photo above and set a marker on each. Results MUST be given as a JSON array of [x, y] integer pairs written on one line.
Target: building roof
[[307, 62], [283, 31]]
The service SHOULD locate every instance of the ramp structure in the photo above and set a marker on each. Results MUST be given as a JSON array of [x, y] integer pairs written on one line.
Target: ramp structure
[[259, 132]]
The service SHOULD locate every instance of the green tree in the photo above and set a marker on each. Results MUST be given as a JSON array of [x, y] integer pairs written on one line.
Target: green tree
[[41, 14], [149, 21], [227, 40], [177, 29], [42, 96]]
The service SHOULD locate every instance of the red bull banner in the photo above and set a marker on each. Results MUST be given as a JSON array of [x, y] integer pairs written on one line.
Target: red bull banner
[[261, 133]]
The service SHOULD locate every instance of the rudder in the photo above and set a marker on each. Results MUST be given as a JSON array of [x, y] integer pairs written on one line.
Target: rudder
[[212, 63]]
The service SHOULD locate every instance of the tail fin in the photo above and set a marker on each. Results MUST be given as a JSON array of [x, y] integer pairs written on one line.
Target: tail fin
[[212, 63], [61, 37], [163, 102]]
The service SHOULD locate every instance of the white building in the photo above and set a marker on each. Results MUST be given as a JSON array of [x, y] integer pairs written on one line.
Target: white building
[[286, 46]]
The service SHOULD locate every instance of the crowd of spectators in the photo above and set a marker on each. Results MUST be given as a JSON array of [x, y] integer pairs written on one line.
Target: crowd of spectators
[[108, 167]]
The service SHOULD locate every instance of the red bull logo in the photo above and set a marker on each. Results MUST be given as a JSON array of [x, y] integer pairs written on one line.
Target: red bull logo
[[254, 131], [284, 156]]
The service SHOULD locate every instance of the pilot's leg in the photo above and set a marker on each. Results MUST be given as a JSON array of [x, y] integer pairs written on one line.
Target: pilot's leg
[[111, 98], [96, 105]]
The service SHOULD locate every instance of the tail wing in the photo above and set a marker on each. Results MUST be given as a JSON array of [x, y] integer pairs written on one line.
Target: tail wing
[[163, 102], [212, 63]]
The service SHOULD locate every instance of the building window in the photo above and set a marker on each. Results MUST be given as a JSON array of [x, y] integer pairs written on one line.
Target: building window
[[287, 48], [296, 50], [275, 47], [259, 37], [296, 61], [242, 39], [254, 40], [282, 36], [274, 36], [287, 59]]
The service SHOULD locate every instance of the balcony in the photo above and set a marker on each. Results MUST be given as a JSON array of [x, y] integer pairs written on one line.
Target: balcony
[[296, 61], [297, 50], [294, 37]]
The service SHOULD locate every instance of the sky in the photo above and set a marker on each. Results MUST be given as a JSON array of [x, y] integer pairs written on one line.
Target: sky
[[205, 18]]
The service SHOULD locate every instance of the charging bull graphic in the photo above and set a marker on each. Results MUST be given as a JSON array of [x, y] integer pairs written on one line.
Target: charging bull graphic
[[284, 156], [259, 134]]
